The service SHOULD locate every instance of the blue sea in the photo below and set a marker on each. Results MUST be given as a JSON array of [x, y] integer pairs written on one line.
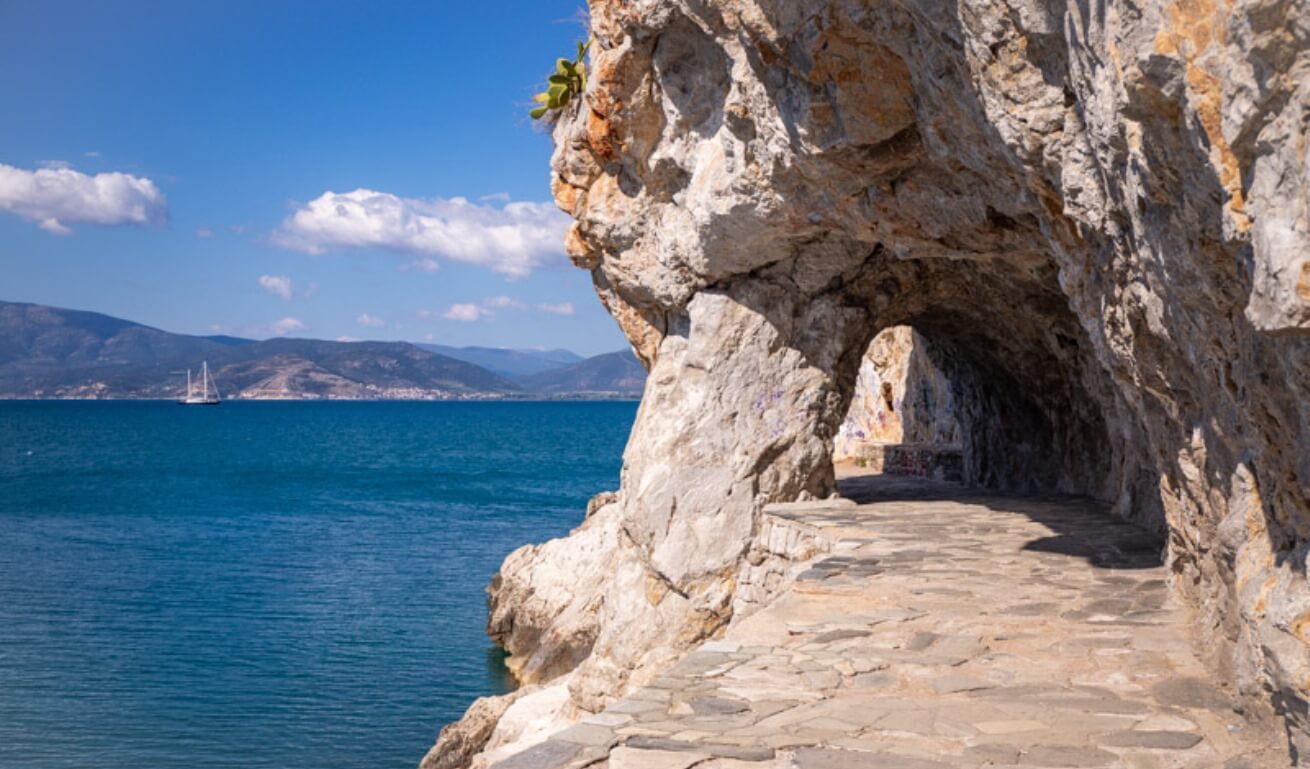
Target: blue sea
[[268, 584]]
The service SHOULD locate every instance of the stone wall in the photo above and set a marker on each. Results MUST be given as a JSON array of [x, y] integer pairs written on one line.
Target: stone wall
[[1095, 213]]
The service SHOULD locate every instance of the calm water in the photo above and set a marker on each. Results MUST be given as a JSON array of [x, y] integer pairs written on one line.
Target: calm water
[[267, 584]]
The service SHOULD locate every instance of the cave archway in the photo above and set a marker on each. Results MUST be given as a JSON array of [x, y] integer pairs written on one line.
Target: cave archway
[[995, 382]]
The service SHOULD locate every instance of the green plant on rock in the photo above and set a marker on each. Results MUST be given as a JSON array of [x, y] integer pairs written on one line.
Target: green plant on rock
[[563, 87]]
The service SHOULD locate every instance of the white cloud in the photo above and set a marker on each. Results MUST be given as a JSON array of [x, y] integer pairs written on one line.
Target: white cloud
[[563, 308], [504, 303], [372, 321], [471, 311], [277, 284], [513, 239], [466, 312], [495, 197], [56, 197], [426, 264], [310, 291], [91, 154], [429, 337], [205, 233], [288, 325], [347, 339]]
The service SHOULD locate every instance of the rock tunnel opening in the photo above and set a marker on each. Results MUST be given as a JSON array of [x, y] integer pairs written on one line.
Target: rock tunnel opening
[[901, 419], [993, 389]]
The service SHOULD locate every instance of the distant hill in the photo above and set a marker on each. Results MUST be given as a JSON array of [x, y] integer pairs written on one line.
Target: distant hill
[[51, 352], [279, 368], [507, 362], [615, 373]]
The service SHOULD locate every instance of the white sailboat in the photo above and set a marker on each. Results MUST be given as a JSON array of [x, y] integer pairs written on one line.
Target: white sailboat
[[203, 397]]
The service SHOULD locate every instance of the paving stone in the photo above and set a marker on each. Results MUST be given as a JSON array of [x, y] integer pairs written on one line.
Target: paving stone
[[865, 664], [914, 721], [691, 735], [1065, 757], [711, 749], [990, 755], [1191, 693], [624, 757], [831, 725], [641, 730], [1009, 727], [959, 683], [880, 680], [823, 679], [587, 734], [840, 635], [634, 706], [1166, 722], [544, 755], [608, 718], [1031, 609], [921, 641], [826, 758], [1088, 704], [717, 706], [1160, 740]]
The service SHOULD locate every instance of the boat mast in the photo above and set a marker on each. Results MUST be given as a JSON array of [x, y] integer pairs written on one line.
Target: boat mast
[[188, 384], [205, 366]]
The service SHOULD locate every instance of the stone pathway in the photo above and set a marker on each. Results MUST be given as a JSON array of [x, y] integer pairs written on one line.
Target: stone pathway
[[944, 629]]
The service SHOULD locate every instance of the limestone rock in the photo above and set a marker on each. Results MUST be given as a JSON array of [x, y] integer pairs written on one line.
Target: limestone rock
[[600, 501], [1095, 214], [536, 713], [461, 741], [545, 598]]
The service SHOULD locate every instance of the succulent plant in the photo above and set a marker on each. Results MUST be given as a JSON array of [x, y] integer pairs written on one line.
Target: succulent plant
[[566, 84]]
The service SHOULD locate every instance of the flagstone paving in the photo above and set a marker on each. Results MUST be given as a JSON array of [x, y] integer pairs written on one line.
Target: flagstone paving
[[944, 629]]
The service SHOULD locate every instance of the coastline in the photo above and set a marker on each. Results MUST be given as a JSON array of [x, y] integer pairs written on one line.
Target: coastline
[[572, 398]]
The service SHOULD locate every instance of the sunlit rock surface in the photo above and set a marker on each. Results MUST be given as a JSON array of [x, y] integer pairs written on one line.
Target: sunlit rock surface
[[1094, 213], [900, 397]]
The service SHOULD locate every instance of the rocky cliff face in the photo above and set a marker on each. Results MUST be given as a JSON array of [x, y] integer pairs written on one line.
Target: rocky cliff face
[[1096, 213]]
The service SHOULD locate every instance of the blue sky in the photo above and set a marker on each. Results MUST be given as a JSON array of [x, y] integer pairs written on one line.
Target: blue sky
[[262, 168]]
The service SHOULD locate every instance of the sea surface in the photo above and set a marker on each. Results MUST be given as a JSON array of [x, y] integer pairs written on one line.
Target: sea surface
[[268, 584]]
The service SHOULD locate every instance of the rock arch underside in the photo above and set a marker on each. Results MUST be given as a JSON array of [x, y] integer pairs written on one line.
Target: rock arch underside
[[1094, 212]]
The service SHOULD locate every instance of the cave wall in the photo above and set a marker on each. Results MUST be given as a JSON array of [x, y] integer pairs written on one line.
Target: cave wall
[[1096, 214]]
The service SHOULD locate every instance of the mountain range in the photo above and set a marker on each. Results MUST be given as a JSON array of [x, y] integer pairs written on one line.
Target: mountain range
[[507, 362], [50, 352]]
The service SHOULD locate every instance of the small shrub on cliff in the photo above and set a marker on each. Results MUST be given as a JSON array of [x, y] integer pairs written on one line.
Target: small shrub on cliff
[[566, 85]]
